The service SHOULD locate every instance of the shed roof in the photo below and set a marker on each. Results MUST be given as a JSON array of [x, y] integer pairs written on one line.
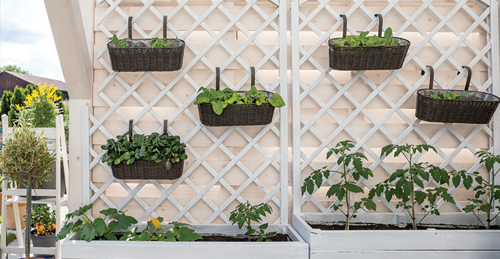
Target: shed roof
[[35, 80]]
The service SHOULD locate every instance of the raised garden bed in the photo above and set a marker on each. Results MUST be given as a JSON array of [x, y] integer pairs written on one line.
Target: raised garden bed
[[295, 248], [424, 243]]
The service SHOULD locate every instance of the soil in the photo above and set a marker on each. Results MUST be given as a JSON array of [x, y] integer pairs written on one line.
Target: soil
[[240, 238], [369, 226]]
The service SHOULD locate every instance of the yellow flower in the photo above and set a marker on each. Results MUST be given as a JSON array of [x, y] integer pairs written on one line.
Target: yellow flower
[[156, 223], [29, 97], [57, 98], [49, 95], [19, 107], [50, 102], [38, 101]]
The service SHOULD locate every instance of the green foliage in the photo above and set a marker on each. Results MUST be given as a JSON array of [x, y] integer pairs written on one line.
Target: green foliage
[[154, 232], [245, 213], [449, 96], [25, 156], [14, 68], [119, 43], [154, 147], [161, 43], [220, 99], [485, 192], [29, 89], [16, 101], [362, 40], [5, 106], [96, 229], [43, 221], [408, 184], [353, 170]]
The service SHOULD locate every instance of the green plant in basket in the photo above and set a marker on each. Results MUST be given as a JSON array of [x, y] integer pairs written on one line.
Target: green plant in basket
[[408, 184], [245, 213], [220, 99], [448, 96], [119, 43], [154, 147], [161, 43], [353, 170], [96, 229], [154, 232], [363, 40]]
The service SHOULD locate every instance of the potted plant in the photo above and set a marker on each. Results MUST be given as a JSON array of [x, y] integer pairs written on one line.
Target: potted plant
[[131, 55], [407, 186], [43, 226], [455, 106], [25, 160], [145, 157], [122, 237], [359, 52], [236, 108]]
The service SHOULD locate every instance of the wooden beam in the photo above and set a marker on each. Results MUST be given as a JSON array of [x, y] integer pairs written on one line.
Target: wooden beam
[[67, 28]]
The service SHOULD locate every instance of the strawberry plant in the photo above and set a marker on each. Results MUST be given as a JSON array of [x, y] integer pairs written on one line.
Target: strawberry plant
[[408, 184], [220, 99], [96, 229], [362, 40], [119, 43], [245, 213], [154, 232], [486, 193], [352, 170]]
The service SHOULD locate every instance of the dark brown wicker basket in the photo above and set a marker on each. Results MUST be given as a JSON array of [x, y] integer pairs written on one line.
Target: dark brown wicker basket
[[237, 114], [367, 58], [139, 56], [478, 108]]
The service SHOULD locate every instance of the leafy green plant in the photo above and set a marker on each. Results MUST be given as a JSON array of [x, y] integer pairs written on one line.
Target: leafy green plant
[[154, 147], [119, 43], [220, 99], [353, 170], [161, 43], [96, 229], [408, 184], [362, 40], [244, 213], [448, 96], [43, 221], [154, 232], [485, 192]]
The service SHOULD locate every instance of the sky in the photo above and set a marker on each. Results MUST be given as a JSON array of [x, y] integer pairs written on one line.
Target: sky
[[26, 38]]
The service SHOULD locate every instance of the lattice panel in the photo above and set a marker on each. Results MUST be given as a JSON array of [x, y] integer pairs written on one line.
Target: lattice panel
[[376, 108], [226, 165]]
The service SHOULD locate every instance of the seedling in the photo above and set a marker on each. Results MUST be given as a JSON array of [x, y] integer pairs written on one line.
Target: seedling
[[154, 232], [448, 96], [408, 184], [119, 43], [362, 40], [486, 192], [245, 213], [353, 170], [161, 43]]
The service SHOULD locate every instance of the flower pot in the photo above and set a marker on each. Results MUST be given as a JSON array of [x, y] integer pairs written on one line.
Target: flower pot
[[142, 169], [296, 248], [43, 241]]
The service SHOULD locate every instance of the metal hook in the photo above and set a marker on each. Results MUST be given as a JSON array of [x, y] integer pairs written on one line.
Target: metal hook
[[469, 75], [431, 80], [217, 78], [380, 24], [130, 27], [165, 126], [252, 76], [344, 29]]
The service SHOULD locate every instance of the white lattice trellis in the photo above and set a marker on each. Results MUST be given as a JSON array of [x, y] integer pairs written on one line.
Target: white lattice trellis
[[481, 22], [274, 56]]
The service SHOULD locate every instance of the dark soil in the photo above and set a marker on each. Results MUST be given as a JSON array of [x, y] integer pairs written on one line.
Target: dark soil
[[240, 238], [369, 226]]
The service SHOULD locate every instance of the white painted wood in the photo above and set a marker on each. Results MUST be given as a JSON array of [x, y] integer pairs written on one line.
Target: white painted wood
[[72, 248]]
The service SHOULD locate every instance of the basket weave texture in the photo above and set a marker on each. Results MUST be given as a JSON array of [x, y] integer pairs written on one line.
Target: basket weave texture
[[138, 56], [367, 58], [237, 114], [144, 169], [466, 110]]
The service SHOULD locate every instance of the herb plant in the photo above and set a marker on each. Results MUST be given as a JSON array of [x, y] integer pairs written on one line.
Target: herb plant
[[245, 213], [220, 99], [408, 184], [448, 96], [119, 43], [362, 40], [154, 147], [154, 232], [96, 229], [353, 170], [489, 190], [161, 43]]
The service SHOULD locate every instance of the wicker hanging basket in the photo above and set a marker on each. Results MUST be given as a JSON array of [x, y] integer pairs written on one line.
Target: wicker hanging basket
[[139, 56], [237, 114], [478, 108], [145, 169], [367, 57]]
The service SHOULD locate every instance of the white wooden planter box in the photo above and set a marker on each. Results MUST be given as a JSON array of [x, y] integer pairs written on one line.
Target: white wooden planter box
[[430, 243], [295, 249]]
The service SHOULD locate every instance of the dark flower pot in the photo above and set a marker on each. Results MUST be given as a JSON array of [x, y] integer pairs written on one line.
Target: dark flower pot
[[43, 241]]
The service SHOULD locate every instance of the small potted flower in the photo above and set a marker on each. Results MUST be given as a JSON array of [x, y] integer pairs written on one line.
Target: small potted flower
[[43, 226]]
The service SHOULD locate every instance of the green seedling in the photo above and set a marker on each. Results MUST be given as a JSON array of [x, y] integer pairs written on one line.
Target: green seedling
[[245, 213], [119, 43], [448, 96], [363, 40], [154, 232]]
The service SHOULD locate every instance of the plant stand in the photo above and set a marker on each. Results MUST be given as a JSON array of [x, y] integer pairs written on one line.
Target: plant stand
[[295, 249], [56, 141], [429, 243]]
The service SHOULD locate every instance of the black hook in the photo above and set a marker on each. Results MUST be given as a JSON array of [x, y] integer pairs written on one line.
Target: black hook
[[431, 80], [380, 24], [344, 28], [469, 75]]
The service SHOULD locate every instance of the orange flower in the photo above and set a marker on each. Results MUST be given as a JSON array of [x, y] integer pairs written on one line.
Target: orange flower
[[156, 223]]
